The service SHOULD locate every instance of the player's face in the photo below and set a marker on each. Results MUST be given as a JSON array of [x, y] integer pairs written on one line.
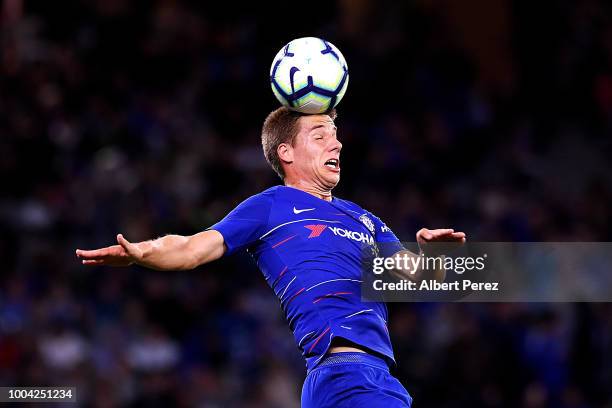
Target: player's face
[[317, 151]]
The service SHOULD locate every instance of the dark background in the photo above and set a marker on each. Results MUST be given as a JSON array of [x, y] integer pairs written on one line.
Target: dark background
[[143, 117]]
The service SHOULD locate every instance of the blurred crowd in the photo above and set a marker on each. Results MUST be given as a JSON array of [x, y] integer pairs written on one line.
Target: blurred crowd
[[143, 117]]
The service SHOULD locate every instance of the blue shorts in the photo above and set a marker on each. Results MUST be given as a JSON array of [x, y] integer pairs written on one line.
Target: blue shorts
[[353, 380]]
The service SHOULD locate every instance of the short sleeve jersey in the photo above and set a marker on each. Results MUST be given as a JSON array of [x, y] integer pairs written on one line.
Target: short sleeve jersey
[[311, 253]]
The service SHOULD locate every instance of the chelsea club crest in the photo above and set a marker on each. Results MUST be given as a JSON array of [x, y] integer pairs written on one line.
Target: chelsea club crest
[[367, 222]]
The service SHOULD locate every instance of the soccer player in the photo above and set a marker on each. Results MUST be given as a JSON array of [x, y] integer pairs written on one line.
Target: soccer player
[[309, 246]]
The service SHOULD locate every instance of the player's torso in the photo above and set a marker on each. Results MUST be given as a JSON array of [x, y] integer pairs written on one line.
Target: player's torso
[[312, 254]]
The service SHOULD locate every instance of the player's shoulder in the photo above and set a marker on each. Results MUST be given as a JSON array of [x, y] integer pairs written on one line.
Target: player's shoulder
[[349, 205], [270, 192], [260, 200], [356, 208]]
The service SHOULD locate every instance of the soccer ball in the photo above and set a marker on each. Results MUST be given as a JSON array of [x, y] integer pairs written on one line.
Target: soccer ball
[[309, 75]]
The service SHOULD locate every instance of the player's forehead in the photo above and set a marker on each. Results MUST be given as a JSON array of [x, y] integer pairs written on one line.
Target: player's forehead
[[309, 123]]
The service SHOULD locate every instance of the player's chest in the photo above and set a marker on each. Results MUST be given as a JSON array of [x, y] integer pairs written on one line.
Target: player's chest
[[318, 224]]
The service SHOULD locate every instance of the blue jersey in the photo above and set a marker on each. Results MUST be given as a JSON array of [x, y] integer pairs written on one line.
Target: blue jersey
[[311, 253]]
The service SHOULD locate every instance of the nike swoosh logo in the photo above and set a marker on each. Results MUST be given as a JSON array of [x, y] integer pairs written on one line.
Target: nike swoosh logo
[[295, 211]]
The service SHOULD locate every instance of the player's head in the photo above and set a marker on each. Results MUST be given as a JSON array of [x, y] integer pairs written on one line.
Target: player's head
[[299, 147]]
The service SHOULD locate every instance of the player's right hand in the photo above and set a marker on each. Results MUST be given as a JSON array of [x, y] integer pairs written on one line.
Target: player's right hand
[[124, 254]]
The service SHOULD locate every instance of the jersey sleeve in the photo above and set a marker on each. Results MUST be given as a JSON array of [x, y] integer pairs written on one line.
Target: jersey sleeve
[[388, 243], [247, 222]]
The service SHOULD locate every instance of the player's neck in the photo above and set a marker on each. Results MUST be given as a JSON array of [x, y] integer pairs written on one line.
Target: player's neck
[[316, 191]]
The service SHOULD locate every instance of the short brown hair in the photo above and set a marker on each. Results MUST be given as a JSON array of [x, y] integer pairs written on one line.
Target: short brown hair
[[281, 126]]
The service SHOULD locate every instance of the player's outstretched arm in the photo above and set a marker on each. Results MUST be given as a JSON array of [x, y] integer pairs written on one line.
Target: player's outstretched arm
[[172, 252]]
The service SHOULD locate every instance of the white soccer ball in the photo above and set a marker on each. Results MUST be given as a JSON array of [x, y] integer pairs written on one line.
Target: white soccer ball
[[309, 75]]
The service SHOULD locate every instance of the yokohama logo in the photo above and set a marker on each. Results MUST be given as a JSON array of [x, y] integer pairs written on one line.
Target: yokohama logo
[[315, 230], [355, 236]]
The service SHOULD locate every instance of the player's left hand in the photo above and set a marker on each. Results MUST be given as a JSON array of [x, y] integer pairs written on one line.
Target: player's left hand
[[439, 241]]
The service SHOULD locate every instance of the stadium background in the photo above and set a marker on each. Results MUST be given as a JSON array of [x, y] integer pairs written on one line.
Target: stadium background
[[493, 117]]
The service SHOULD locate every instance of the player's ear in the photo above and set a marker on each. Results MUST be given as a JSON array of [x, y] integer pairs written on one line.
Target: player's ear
[[285, 152]]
